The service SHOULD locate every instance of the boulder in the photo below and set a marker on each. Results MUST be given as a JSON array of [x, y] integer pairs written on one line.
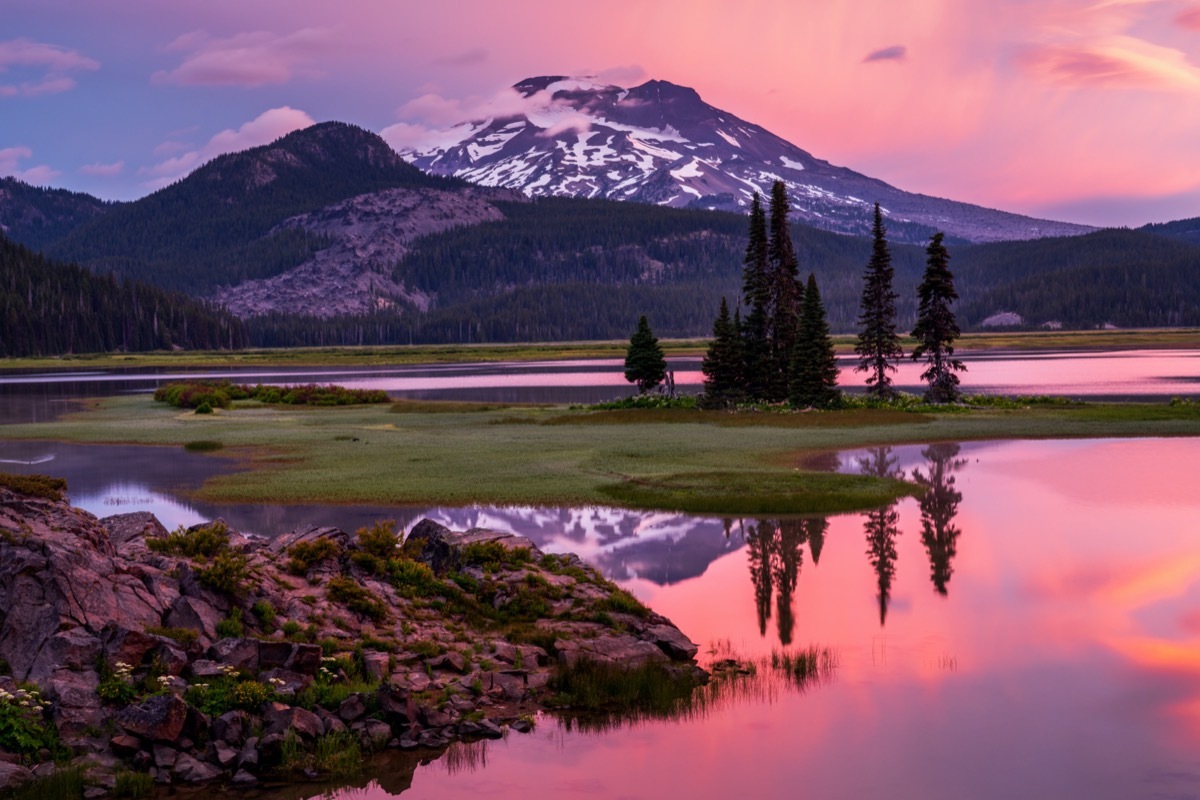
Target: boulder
[[286, 682], [671, 641], [282, 718], [191, 770], [281, 544], [439, 547], [13, 775], [160, 718], [194, 613], [230, 727], [623, 649], [126, 646], [126, 530], [75, 649], [274, 654], [352, 708], [240, 653], [305, 659], [377, 665]]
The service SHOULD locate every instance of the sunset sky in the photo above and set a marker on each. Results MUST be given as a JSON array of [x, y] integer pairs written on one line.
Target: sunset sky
[[1081, 110]]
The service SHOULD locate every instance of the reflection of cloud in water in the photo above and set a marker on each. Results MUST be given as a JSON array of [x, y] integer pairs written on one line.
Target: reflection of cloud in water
[[126, 498], [30, 462]]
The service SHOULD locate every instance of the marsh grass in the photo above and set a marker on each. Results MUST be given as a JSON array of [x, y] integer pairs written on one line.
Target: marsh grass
[[202, 446], [594, 686], [64, 784], [135, 785], [635, 458]]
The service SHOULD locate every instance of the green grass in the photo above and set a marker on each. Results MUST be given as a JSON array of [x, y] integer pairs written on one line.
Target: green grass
[[600, 687], [702, 461], [65, 784]]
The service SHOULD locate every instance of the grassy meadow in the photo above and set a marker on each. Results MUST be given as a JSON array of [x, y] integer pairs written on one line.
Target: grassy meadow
[[464, 453]]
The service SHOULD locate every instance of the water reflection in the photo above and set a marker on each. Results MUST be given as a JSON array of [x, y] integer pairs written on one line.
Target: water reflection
[[775, 553], [939, 506], [882, 526]]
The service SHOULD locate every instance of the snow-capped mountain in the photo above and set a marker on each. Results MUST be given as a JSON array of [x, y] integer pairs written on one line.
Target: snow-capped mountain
[[660, 143]]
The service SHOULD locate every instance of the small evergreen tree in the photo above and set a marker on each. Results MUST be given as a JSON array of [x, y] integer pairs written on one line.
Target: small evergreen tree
[[645, 364], [756, 294], [814, 371], [878, 344], [937, 327], [723, 366], [786, 294]]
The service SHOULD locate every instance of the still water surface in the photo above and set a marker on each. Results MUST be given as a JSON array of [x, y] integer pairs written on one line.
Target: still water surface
[[1031, 629], [39, 396]]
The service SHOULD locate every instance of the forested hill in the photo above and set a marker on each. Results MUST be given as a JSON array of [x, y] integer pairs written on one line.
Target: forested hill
[[1186, 229], [37, 217], [214, 227], [47, 308]]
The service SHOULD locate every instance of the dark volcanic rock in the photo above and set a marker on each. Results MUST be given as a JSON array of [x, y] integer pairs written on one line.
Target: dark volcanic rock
[[160, 718]]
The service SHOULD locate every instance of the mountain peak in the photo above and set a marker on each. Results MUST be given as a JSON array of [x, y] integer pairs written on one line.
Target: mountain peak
[[661, 143]]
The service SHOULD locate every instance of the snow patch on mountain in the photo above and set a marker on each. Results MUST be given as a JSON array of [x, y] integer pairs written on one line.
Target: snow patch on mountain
[[660, 143]]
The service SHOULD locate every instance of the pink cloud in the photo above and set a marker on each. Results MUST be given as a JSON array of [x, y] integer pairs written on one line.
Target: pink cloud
[[51, 61], [103, 170], [10, 160], [263, 129], [249, 60], [1113, 62], [1189, 18]]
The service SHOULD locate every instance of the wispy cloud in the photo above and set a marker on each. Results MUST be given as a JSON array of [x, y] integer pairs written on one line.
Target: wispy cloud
[[10, 166], [1113, 62], [103, 170], [469, 58], [896, 52], [263, 129], [1189, 18], [252, 59], [50, 63]]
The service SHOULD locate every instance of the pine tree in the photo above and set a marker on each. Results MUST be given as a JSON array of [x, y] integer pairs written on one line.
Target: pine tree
[[756, 295], [723, 364], [814, 371], [786, 294], [645, 364], [937, 327], [878, 344]]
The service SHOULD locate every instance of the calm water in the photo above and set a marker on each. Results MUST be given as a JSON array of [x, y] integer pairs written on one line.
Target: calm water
[[1032, 629], [38, 396]]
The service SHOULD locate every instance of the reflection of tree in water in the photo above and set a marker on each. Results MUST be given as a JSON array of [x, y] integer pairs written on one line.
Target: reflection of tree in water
[[938, 509], [881, 525], [776, 554]]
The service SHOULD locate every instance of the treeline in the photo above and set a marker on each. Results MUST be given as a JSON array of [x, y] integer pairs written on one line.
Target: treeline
[[47, 308], [39, 216], [213, 228]]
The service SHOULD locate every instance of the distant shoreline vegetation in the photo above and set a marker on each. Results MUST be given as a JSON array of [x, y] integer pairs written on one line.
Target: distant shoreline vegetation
[[212, 395]]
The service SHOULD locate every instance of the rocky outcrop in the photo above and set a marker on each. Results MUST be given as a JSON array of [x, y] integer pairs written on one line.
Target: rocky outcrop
[[204, 666]]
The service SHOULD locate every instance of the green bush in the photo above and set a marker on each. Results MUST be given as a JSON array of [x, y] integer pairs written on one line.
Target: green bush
[[265, 613], [354, 597], [491, 555], [227, 573], [304, 554], [34, 485], [414, 579], [622, 602], [24, 729], [231, 627], [221, 394], [205, 541], [228, 693], [380, 539], [133, 784]]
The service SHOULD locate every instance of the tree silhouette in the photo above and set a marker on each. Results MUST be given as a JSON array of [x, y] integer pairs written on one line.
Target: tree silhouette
[[756, 295], [786, 295], [939, 506], [814, 371], [645, 364], [724, 364], [937, 327], [878, 344]]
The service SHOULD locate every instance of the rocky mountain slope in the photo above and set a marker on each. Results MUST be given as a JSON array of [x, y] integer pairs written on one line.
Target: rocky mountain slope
[[660, 143]]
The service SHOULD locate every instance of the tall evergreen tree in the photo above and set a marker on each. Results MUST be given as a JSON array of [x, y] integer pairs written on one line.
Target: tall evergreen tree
[[786, 294], [878, 344], [756, 296], [645, 363], [723, 364], [937, 327], [814, 371]]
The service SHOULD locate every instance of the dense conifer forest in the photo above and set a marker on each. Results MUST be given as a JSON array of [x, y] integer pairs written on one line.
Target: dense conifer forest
[[48, 308]]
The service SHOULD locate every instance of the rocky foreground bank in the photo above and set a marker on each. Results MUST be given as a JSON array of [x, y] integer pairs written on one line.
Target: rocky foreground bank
[[206, 655]]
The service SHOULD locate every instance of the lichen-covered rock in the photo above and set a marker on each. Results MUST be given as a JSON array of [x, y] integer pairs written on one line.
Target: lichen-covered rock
[[160, 718], [192, 770]]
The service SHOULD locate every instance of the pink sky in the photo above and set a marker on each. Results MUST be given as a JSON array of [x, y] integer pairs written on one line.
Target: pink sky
[[1074, 109]]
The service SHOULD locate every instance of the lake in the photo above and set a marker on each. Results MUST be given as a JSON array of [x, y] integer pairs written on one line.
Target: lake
[[1030, 629], [33, 396]]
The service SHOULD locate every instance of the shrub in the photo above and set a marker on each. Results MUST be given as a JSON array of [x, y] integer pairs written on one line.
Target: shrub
[[231, 627], [622, 602], [202, 446], [490, 555], [304, 554], [34, 485], [414, 579], [201, 542], [227, 573], [380, 539], [226, 694], [24, 730], [265, 612], [354, 597]]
